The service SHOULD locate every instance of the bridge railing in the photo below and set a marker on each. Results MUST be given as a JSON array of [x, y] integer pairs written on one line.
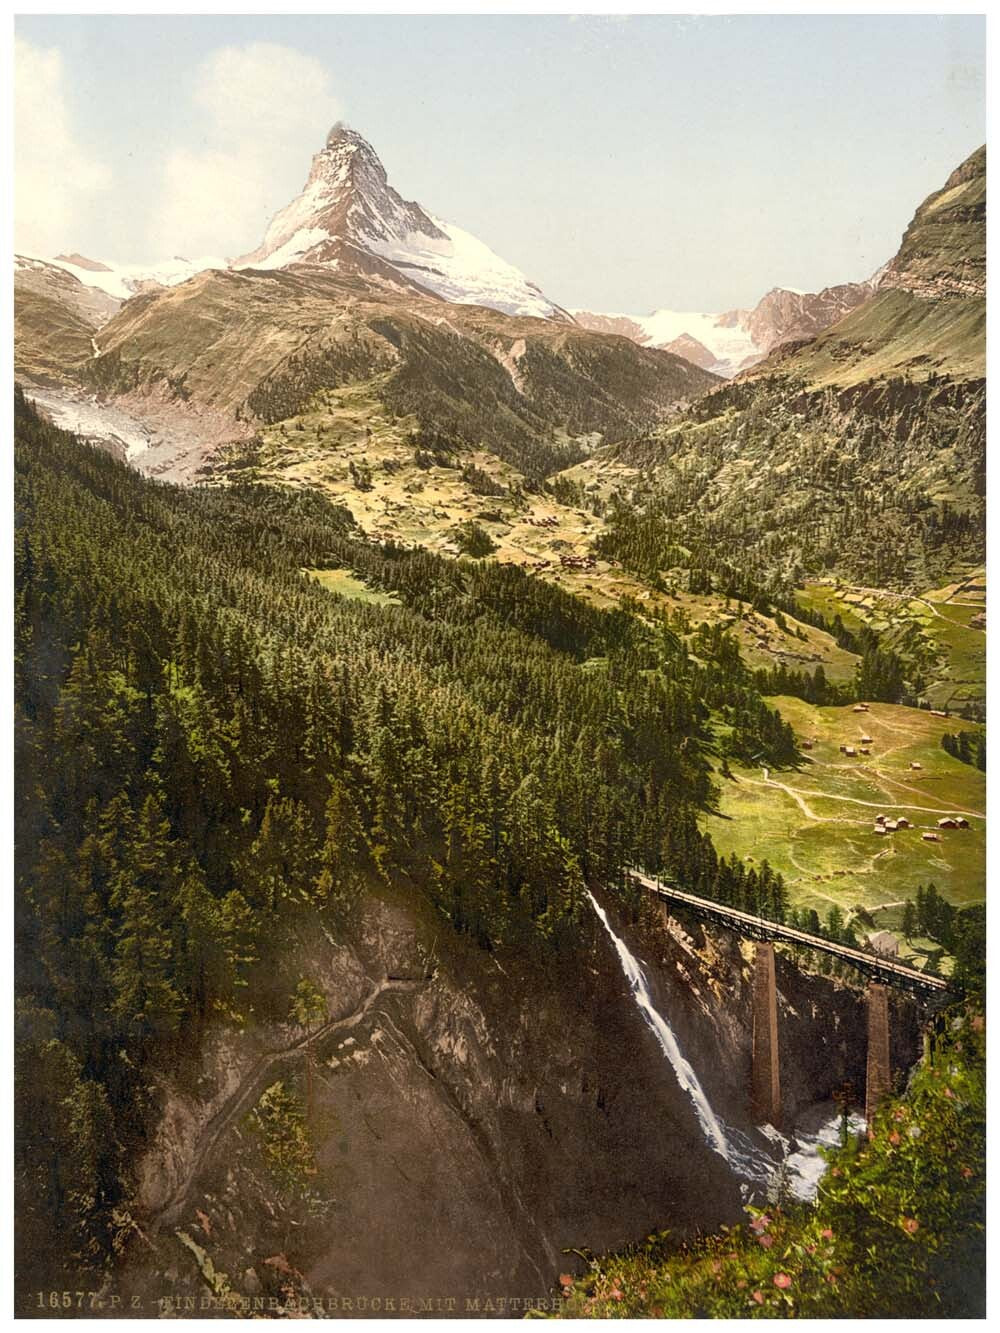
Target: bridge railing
[[876, 966]]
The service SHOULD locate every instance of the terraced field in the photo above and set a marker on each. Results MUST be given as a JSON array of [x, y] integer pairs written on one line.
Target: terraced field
[[816, 824]]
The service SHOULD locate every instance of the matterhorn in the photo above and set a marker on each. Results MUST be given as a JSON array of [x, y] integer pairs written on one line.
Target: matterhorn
[[349, 218]]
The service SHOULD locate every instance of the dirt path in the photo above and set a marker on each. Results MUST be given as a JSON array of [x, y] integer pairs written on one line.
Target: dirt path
[[799, 801], [904, 597], [797, 796], [241, 1099], [906, 786]]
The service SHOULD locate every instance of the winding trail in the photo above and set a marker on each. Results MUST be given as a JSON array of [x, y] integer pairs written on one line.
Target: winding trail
[[797, 796], [904, 597], [240, 1100], [907, 786]]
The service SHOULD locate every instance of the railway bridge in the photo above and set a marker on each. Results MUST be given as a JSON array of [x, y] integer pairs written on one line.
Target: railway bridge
[[881, 972]]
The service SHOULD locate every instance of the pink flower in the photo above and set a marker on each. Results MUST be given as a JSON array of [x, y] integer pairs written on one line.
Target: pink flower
[[766, 1241], [782, 1280], [966, 1172], [759, 1297], [894, 1138], [910, 1225], [616, 1294], [565, 1280], [826, 1234], [948, 1092], [760, 1224]]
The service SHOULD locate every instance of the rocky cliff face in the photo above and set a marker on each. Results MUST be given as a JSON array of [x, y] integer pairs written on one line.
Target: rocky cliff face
[[926, 317], [943, 251], [783, 316], [472, 1117]]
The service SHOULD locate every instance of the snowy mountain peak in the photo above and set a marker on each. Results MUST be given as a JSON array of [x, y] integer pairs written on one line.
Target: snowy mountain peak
[[350, 218], [343, 134], [348, 161], [348, 158]]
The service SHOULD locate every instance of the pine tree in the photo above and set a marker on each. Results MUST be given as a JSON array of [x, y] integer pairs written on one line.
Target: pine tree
[[146, 1002], [909, 925]]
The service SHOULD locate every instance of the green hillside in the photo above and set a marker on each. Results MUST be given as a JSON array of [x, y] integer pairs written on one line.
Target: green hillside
[[815, 824], [255, 347]]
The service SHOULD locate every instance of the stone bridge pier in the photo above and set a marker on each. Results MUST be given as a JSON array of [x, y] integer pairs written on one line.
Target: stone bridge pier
[[878, 1075], [765, 1089], [765, 1092]]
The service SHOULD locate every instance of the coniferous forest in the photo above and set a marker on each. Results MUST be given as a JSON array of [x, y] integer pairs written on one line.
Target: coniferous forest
[[211, 745]]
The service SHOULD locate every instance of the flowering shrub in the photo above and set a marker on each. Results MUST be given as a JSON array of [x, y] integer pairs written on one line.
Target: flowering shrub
[[896, 1229]]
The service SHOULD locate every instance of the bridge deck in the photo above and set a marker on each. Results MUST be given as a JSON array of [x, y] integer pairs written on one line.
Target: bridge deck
[[876, 966]]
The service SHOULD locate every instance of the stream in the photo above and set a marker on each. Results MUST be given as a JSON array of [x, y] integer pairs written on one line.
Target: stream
[[768, 1159]]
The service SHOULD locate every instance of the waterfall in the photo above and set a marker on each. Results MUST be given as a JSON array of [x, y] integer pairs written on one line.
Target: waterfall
[[686, 1077], [799, 1164]]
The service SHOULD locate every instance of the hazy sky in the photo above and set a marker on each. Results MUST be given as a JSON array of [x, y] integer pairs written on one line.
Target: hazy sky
[[623, 164]]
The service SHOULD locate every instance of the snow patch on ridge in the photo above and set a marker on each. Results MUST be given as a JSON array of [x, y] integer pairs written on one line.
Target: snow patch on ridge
[[724, 336], [464, 270], [295, 247], [731, 344], [123, 280]]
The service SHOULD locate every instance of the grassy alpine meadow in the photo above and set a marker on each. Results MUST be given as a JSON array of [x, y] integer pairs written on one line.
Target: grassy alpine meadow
[[897, 1227], [346, 584], [943, 630], [815, 824]]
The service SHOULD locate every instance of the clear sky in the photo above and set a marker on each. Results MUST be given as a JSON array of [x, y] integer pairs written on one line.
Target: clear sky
[[623, 164]]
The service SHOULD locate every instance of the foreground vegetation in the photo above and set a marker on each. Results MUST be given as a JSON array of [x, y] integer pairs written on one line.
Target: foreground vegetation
[[897, 1228]]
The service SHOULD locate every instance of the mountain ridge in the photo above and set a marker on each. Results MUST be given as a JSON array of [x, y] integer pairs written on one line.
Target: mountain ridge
[[734, 340], [927, 315], [228, 351], [860, 451]]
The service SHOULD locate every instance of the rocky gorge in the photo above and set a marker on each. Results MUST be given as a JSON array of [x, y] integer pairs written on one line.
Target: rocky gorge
[[471, 1119]]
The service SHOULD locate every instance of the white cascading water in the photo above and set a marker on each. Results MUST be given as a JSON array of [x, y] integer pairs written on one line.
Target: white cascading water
[[686, 1076], [750, 1163]]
